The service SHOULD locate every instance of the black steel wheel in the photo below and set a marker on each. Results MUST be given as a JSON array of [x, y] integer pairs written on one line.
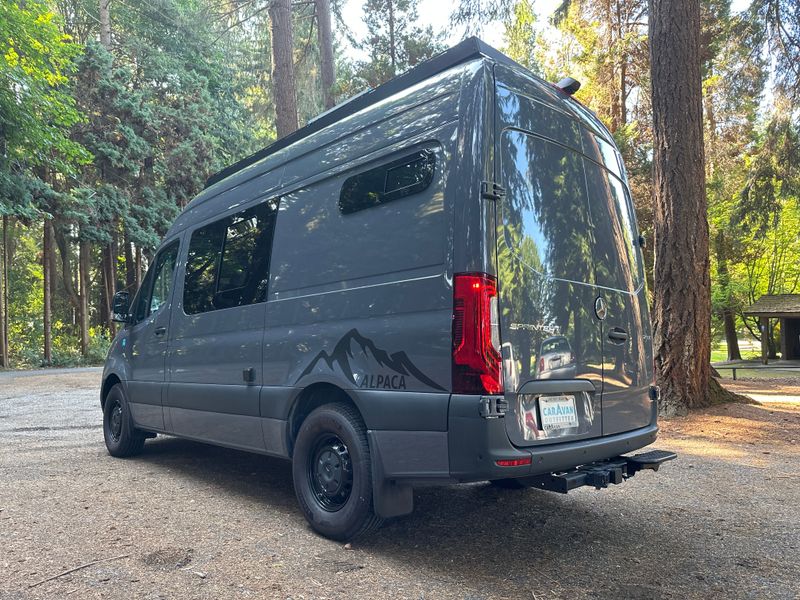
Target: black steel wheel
[[332, 473], [122, 438]]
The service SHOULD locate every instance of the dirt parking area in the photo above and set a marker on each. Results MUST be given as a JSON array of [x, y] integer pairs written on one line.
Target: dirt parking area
[[186, 520]]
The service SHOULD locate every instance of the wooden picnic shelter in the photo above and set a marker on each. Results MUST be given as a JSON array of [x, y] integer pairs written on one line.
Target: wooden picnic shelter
[[785, 308]]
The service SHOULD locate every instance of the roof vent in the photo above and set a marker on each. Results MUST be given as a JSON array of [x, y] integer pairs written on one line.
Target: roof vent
[[568, 85]]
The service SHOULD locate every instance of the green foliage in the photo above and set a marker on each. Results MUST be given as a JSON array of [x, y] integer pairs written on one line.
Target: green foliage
[[520, 34], [777, 27], [395, 41], [36, 111]]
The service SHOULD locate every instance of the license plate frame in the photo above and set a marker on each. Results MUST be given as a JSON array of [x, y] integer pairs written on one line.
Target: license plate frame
[[558, 412]]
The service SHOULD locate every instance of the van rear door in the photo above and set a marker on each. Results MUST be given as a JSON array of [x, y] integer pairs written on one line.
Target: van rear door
[[552, 351], [626, 334]]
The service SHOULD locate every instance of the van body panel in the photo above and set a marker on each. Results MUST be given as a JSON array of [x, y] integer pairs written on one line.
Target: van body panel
[[145, 346], [472, 216], [369, 316], [233, 431], [210, 354], [418, 455], [396, 119]]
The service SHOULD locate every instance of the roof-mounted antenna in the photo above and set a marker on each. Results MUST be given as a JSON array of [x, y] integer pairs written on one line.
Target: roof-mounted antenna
[[569, 86]]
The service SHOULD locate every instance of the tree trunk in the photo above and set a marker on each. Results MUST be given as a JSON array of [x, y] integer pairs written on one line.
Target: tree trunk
[[66, 267], [47, 271], [731, 339], [105, 24], [280, 15], [104, 304], [6, 266], [325, 40], [138, 267], [392, 41], [130, 266], [727, 314], [3, 347], [108, 286], [83, 278], [623, 68], [682, 303]]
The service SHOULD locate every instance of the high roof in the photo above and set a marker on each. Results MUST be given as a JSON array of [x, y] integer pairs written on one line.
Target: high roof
[[776, 305], [469, 49]]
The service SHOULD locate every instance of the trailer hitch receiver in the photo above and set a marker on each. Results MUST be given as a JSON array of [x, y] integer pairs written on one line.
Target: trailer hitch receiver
[[601, 473]]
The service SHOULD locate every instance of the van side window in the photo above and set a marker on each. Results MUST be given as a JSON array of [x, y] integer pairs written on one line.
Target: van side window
[[397, 179], [157, 284], [228, 262]]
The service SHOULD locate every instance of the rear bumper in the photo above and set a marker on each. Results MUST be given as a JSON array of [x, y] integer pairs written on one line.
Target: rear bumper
[[472, 445]]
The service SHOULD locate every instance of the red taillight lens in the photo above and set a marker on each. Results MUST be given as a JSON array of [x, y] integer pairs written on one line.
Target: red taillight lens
[[541, 365], [476, 335], [513, 462]]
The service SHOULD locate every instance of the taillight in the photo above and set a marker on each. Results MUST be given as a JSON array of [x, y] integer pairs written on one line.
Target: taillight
[[476, 335], [514, 462], [541, 365]]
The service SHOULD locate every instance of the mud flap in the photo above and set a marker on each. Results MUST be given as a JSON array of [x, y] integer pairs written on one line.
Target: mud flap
[[389, 498], [602, 473]]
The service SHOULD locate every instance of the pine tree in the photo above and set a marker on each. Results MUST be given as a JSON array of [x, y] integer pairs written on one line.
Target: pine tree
[[395, 41]]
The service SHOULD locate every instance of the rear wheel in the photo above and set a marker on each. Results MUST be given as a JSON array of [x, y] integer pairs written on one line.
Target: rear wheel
[[332, 473], [122, 438]]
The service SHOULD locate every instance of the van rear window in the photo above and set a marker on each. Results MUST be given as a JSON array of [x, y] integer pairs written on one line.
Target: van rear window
[[546, 210], [398, 179]]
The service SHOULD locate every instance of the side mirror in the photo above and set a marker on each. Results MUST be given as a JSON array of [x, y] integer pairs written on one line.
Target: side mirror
[[121, 309]]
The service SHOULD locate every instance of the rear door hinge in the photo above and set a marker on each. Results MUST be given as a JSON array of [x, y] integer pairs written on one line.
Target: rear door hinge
[[492, 407], [492, 191]]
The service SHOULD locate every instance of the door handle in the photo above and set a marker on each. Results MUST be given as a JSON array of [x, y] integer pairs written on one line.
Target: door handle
[[618, 335], [159, 331]]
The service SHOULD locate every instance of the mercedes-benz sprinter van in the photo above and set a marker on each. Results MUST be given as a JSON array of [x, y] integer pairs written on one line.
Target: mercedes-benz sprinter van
[[438, 281]]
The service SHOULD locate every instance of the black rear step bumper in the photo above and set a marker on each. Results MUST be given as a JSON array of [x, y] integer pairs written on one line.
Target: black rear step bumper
[[601, 474]]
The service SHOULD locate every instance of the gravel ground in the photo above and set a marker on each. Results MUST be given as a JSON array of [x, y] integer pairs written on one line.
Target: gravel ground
[[186, 520]]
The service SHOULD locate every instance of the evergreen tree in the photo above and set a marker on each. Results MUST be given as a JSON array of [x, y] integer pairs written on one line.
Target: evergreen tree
[[395, 41]]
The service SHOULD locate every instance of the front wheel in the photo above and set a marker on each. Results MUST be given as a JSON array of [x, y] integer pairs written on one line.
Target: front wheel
[[332, 473], [122, 438]]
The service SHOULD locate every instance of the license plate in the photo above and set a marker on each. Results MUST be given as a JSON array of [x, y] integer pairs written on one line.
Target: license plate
[[558, 412]]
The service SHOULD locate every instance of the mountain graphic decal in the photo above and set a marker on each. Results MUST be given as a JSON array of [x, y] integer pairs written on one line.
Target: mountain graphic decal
[[342, 353]]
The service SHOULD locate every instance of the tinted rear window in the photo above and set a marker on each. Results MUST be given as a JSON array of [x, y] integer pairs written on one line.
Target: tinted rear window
[[618, 257], [545, 212]]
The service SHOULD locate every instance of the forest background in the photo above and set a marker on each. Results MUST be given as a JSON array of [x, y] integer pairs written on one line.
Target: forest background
[[114, 112]]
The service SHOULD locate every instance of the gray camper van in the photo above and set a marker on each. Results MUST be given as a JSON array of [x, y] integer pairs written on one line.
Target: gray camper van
[[369, 298]]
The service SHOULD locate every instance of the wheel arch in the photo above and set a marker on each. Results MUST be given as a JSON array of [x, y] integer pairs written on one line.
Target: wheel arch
[[310, 398], [110, 381]]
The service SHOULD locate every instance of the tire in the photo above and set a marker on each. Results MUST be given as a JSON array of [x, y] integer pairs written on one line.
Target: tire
[[332, 473], [122, 438]]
